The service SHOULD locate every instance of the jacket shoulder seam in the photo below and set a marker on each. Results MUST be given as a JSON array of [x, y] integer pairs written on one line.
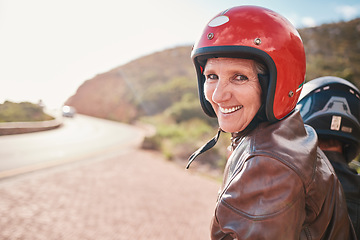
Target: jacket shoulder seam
[[286, 163], [259, 217]]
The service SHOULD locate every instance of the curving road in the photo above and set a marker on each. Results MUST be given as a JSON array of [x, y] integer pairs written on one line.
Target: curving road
[[117, 192], [81, 137]]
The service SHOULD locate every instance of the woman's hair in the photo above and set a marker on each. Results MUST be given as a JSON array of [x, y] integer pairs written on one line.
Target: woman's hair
[[261, 68]]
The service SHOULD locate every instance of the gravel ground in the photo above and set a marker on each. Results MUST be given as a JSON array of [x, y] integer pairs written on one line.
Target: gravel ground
[[132, 194]]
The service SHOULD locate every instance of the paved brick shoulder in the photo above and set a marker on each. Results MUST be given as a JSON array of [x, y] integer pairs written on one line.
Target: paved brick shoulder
[[127, 196]]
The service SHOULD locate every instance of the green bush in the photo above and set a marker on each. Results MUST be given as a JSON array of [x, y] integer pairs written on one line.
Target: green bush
[[159, 97], [152, 143], [188, 108], [22, 112], [177, 140]]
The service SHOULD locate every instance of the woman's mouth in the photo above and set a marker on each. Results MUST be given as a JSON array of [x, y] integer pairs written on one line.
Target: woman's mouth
[[230, 110]]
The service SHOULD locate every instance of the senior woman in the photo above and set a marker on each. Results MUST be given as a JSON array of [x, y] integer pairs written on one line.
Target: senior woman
[[250, 65]]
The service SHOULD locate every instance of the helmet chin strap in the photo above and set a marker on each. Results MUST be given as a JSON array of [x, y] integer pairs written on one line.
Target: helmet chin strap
[[257, 119], [204, 148]]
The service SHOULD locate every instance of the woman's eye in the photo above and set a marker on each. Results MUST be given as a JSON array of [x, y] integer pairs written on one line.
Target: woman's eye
[[240, 78], [211, 77]]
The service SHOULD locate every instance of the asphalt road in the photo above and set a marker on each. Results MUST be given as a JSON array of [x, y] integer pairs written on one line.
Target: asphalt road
[[109, 190], [79, 138]]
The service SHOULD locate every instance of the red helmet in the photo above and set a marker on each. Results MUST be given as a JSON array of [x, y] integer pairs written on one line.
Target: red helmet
[[260, 34]]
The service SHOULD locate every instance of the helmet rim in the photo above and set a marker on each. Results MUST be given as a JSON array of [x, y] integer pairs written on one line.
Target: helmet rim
[[235, 52]]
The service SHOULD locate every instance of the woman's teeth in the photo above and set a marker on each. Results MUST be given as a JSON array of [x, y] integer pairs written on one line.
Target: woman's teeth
[[230, 110]]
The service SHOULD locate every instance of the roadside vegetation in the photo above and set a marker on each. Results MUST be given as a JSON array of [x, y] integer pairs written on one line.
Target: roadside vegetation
[[183, 128], [22, 112]]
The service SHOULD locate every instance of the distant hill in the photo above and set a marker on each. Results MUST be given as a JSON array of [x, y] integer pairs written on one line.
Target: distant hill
[[151, 84], [333, 49], [145, 86]]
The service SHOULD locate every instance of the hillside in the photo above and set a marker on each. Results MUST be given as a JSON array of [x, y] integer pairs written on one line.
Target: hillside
[[333, 49], [151, 84], [145, 86]]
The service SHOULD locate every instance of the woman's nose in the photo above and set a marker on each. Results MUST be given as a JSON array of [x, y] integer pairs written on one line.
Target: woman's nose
[[222, 92]]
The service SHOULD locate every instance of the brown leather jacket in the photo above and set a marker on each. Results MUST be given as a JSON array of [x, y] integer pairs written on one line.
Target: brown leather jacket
[[279, 185]]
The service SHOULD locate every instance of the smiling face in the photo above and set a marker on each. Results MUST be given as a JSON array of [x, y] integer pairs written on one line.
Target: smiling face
[[233, 89]]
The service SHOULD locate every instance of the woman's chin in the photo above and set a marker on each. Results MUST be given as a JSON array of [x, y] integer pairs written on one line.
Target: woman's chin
[[229, 129], [231, 126]]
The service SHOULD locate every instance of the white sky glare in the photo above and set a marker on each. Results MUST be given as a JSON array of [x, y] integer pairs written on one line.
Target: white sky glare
[[48, 48]]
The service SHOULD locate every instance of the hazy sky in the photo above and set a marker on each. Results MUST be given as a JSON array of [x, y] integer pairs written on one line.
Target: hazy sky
[[49, 48]]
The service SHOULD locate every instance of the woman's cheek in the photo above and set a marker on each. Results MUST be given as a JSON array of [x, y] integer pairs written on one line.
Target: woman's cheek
[[208, 92]]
